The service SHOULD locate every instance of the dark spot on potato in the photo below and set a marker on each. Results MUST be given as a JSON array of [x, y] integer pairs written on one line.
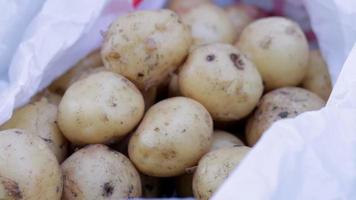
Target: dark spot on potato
[[237, 61], [166, 123], [57, 189], [210, 57], [18, 132], [266, 42], [121, 30], [156, 129], [121, 122], [169, 154], [183, 131], [12, 188], [179, 21], [47, 140], [113, 56], [107, 189], [283, 114], [238, 145], [140, 75], [274, 107]]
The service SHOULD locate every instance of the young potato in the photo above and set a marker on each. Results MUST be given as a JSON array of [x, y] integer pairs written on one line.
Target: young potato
[[279, 49], [40, 118], [221, 78], [145, 46], [96, 172], [318, 79], [28, 168], [214, 168], [223, 139], [172, 136], [173, 87], [241, 15], [286, 102], [183, 6], [100, 108], [91, 61], [209, 23]]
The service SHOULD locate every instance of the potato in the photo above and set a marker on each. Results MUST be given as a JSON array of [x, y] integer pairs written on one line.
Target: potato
[[91, 61], [172, 136], [318, 79], [145, 46], [101, 108], [278, 104], [221, 78], [40, 118], [279, 49], [28, 168], [51, 97], [241, 15], [173, 87], [214, 168], [209, 24], [223, 139], [183, 6], [97, 172]]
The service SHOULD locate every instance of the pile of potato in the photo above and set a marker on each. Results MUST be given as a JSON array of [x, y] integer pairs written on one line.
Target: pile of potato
[[161, 108]]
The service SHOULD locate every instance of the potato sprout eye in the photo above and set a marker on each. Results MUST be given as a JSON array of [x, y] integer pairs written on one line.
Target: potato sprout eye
[[210, 57]]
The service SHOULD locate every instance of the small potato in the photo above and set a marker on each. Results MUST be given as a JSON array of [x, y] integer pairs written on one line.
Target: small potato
[[278, 104], [241, 15], [209, 24], [40, 118], [279, 49], [183, 6], [173, 87], [91, 61], [96, 172], [318, 79], [100, 108], [145, 46], [223, 139], [214, 168], [172, 136], [221, 78], [28, 168]]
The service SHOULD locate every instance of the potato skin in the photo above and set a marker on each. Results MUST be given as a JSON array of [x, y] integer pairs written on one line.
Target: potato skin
[[40, 118], [214, 168], [145, 46], [28, 168], [91, 61], [318, 79], [223, 139], [96, 172], [209, 23], [100, 108], [278, 104], [279, 49], [172, 136], [221, 78], [183, 6]]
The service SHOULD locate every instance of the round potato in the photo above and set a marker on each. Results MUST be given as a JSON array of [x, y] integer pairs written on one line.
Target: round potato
[[28, 168], [173, 87], [241, 15], [40, 118], [279, 49], [318, 79], [221, 78], [172, 136], [209, 24], [183, 6], [145, 46], [278, 104], [97, 172], [100, 108], [214, 168], [91, 61], [223, 139]]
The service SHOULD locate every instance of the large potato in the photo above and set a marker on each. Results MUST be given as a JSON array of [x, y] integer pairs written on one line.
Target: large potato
[[100, 108], [318, 79], [278, 104], [145, 46], [183, 6], [223, 139], [209, 24], [214, 168], [91, 61], [40, 118], [28, 168], [221, 78], [279, 49], [172, 136], [241, 15], [97, 172]]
